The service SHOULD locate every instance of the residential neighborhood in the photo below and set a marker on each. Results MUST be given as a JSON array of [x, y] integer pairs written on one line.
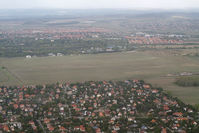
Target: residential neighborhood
[[144, 38], [94, 106]]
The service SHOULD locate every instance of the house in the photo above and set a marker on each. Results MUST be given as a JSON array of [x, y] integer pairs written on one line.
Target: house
[[164, 130], [60, 54], [98, 130], [6, 128], [61, 128], [82, 128], [76, 128], [177, 114], [51, 54], [109, 49], [116, 128]]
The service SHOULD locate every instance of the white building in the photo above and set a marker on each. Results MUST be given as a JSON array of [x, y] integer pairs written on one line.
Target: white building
[[59, 54], [28, 56]]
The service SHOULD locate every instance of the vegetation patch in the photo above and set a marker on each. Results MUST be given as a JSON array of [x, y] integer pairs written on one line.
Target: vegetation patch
[[197, 107], [2, 67], [188, 81]]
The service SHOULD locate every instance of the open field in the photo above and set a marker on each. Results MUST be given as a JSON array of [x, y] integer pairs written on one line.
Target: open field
[[151, 66], [7, 78]]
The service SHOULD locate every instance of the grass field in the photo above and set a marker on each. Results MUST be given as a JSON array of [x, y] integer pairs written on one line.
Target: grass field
[[151, 66], [7, 78]]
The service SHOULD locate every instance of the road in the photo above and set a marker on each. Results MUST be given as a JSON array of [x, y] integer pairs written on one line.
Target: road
[[41, 126]]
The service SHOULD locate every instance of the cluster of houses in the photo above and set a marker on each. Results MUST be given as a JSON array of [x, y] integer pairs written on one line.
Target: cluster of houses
[[144, 38], [94, 106], [152, 40], [49, 54]]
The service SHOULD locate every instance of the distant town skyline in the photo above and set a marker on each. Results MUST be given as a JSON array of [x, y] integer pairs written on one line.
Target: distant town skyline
[[93, 4]]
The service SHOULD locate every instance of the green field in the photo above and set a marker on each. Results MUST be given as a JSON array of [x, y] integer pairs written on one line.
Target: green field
[[151, 66]]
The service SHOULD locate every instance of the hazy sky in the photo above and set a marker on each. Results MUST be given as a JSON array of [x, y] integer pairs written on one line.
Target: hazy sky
[[87, 4]]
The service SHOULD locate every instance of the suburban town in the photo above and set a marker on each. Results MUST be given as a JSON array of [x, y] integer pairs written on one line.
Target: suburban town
[[94, 106], [68, 41], [99, 66], [143, 38], [52, 33]]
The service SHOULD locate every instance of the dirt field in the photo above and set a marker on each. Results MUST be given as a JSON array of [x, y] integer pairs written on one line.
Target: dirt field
[[151, 66]]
